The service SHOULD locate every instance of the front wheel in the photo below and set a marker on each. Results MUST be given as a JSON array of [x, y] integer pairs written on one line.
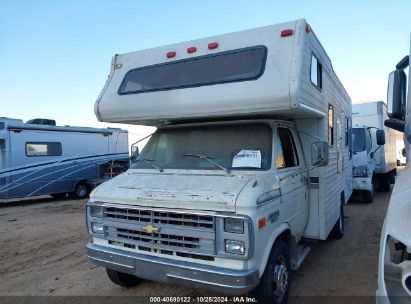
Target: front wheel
[[274, 285], [339, 227]]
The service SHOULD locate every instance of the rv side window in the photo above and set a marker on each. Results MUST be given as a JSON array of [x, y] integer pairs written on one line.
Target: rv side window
[[43, 149], [330, 125], [285, 152], [316, 72]]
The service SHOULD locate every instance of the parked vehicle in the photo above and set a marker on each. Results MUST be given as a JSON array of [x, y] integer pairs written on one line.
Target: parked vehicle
[[394, 266], [40, 158], [250, 156], [374, 159]]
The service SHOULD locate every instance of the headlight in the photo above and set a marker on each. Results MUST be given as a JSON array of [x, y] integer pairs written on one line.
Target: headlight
[[236, 247], [97, 228], [397, 268], [96, 211], [234, 225], [361, 171]]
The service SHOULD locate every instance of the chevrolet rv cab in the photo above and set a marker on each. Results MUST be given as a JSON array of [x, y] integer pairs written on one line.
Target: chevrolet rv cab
[[252, 154]]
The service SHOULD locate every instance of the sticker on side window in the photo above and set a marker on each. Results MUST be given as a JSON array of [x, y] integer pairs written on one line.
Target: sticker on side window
[[247, 158]]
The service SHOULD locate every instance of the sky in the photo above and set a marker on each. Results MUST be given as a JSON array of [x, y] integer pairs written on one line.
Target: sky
[[55, 55]]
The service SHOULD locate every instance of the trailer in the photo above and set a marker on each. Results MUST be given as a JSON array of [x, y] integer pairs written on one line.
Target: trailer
[[374, 163], [40, 158], [252, 155]]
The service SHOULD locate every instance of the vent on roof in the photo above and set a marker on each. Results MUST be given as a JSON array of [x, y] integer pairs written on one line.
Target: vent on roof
[[42, 121]]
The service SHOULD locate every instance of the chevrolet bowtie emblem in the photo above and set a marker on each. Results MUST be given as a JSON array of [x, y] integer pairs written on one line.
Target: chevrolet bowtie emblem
[[150, 228]]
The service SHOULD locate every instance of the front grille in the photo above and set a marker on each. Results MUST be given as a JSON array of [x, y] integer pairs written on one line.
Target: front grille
[[179, 234]]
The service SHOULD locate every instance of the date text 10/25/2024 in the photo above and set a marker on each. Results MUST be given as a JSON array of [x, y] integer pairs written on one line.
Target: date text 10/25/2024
[[202, 300]]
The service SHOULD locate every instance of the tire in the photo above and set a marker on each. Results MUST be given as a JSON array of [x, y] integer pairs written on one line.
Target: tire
[[386, 184], [338, 230], [122, 279], [274, 285], [398, 163], [81, 190], [58, 195], [376, 181], [392, 177]]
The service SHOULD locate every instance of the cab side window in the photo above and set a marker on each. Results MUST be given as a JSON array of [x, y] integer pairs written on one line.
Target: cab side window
[[368, 141], [285, 151]]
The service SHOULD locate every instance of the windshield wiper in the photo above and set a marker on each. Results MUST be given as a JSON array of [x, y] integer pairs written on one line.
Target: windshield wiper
[[149, 161], [210, 160]]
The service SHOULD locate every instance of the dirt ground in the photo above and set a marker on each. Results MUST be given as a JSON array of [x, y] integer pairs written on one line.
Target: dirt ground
[[43, 241]]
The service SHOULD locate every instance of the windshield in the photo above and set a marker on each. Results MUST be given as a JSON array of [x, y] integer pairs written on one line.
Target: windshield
[[234, 147], [358, 139]]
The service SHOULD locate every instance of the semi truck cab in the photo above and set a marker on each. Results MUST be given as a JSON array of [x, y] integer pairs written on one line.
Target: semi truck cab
[[364, 164]]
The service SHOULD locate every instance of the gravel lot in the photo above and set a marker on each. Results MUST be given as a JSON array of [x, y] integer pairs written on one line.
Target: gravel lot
[[43, 253]]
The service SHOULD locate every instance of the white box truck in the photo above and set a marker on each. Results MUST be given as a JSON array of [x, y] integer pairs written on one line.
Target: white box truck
[[374, 162], [40, 158], [251, 155], [394, 265]]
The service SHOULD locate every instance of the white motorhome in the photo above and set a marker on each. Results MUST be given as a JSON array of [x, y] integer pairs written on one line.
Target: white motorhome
[[40, 158], [251, 155], [394, 266], [374, 159]]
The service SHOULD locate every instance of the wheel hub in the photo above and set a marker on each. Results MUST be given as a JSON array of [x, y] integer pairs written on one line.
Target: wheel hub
[[281, 278], [81, 191]]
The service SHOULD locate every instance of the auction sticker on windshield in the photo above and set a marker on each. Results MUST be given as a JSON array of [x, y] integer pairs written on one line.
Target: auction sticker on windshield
[[247, 158]]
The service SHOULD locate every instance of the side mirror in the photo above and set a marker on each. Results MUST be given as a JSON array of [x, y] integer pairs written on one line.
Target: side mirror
[[380, 134], [396, 94], [319, 153], [134, 153]]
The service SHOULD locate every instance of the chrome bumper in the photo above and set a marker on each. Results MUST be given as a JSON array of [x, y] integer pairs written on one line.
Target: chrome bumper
[[362, 183], [235, 282]]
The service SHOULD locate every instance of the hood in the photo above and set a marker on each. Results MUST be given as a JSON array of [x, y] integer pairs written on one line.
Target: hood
[[214, 192], [360, 159]]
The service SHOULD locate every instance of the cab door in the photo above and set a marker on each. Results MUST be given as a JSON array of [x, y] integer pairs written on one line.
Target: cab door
[[288, 161]]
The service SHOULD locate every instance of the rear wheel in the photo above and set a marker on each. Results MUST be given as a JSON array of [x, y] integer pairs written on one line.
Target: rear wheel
[[122, 279], [80, 191], [274, 285], [338, 229], [386, 183]]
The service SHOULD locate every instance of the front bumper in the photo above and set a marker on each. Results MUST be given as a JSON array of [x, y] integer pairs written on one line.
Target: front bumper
[[235, 282], [362, 183]]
